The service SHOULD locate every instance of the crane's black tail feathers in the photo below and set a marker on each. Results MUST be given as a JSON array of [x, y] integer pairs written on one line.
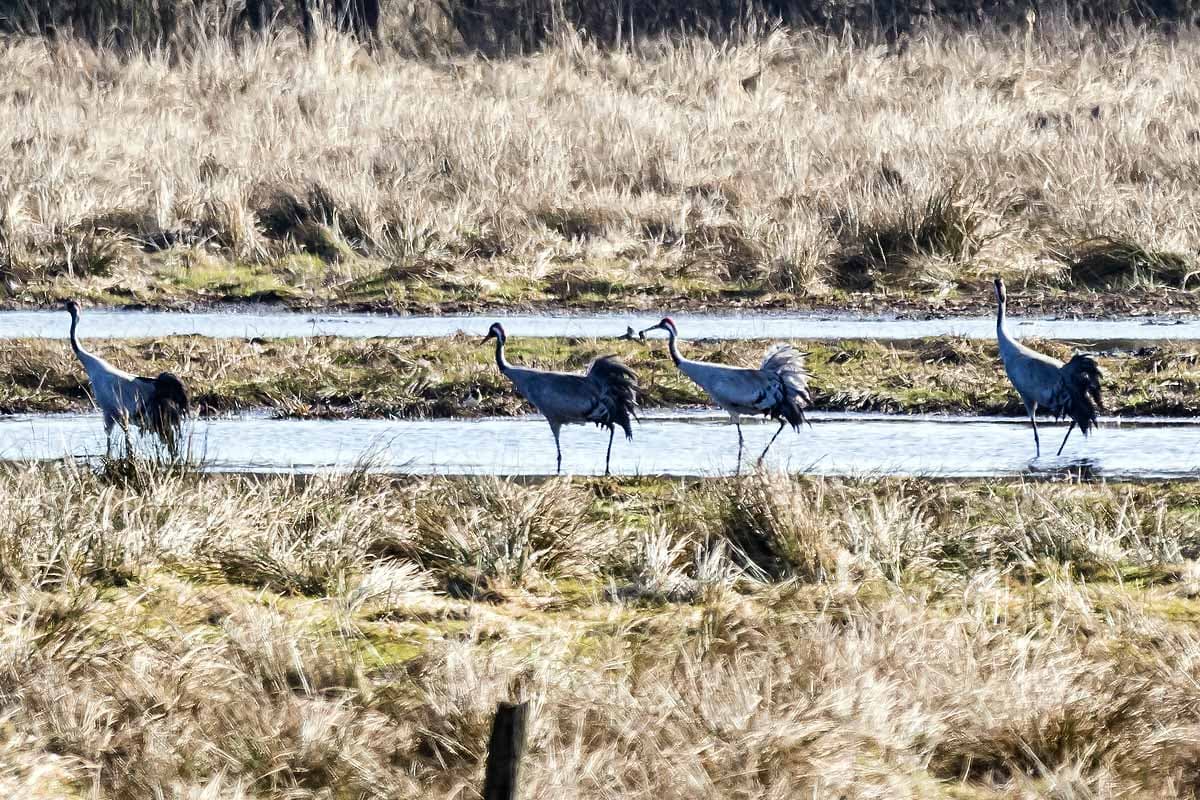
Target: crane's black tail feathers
[[788, 363], [618, 386], [1081, 385], [167, 409]]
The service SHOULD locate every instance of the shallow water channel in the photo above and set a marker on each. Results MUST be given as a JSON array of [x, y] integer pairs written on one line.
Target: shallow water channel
[[682, 444], [99, 324]]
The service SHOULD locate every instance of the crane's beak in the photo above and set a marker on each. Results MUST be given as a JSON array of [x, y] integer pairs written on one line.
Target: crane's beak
[[642, 333], [491, 335]]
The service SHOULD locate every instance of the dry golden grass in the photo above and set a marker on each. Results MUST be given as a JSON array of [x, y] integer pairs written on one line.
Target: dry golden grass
[[594, 176], [234, 637]]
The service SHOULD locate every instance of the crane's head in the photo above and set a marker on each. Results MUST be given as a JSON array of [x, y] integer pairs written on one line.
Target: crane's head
[[665, 324], [1001, 296], [71, 307], [494, 332]]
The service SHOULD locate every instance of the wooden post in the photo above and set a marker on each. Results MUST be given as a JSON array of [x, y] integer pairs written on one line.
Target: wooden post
[[504, 751]]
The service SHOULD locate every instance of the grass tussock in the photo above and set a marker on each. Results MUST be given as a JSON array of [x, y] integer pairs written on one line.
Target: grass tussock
[[947, 229], [776, 531], [1109, 263], [594, 175], [275, 637], [495, 533]]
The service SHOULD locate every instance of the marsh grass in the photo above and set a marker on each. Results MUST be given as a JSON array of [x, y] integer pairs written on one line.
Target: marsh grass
[[774, 531], [1109, 263], [153, 178], [455, 377], [947, 229], [277, 637], [489, 533]]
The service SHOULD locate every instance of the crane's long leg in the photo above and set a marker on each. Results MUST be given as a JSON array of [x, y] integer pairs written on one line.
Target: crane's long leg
[[1031, 409], [741, 444], [773, 438], [557, 448], [1070, 428], [608, 455], [127, 435], [108, 426]]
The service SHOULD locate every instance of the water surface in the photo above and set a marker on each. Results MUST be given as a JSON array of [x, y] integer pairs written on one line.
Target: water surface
[[99, 324], [666, 444]]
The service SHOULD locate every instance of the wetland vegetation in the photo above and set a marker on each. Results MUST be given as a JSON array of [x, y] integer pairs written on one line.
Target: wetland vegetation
[[779, 168], [456, 376], [169, 633], [223, 636]]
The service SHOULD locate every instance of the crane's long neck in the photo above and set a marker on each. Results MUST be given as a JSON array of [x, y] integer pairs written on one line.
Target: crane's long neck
[[78, 348], [673, 347], [501, 361], [1005, 340]]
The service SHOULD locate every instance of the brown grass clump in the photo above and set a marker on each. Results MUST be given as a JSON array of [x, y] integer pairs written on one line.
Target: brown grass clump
[[1109, 263], [949, 226], [496, 533], [774, 529]]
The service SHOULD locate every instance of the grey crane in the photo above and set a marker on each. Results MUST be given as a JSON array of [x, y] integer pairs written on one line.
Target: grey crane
[[1065, 390], [777, 389], [606, 395], [158, 405]]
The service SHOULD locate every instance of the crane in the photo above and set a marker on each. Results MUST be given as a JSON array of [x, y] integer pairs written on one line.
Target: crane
[[606, 395], [777, 389], [1065, 390], [158, 405]]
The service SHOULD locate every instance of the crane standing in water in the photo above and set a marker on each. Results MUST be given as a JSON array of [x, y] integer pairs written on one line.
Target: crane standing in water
[[606, 395], [777, 389], [1065, 390], [158, 405]]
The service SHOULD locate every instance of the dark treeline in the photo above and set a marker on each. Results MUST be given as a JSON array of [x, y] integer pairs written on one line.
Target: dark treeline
[[138, 23], [513, 26]]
